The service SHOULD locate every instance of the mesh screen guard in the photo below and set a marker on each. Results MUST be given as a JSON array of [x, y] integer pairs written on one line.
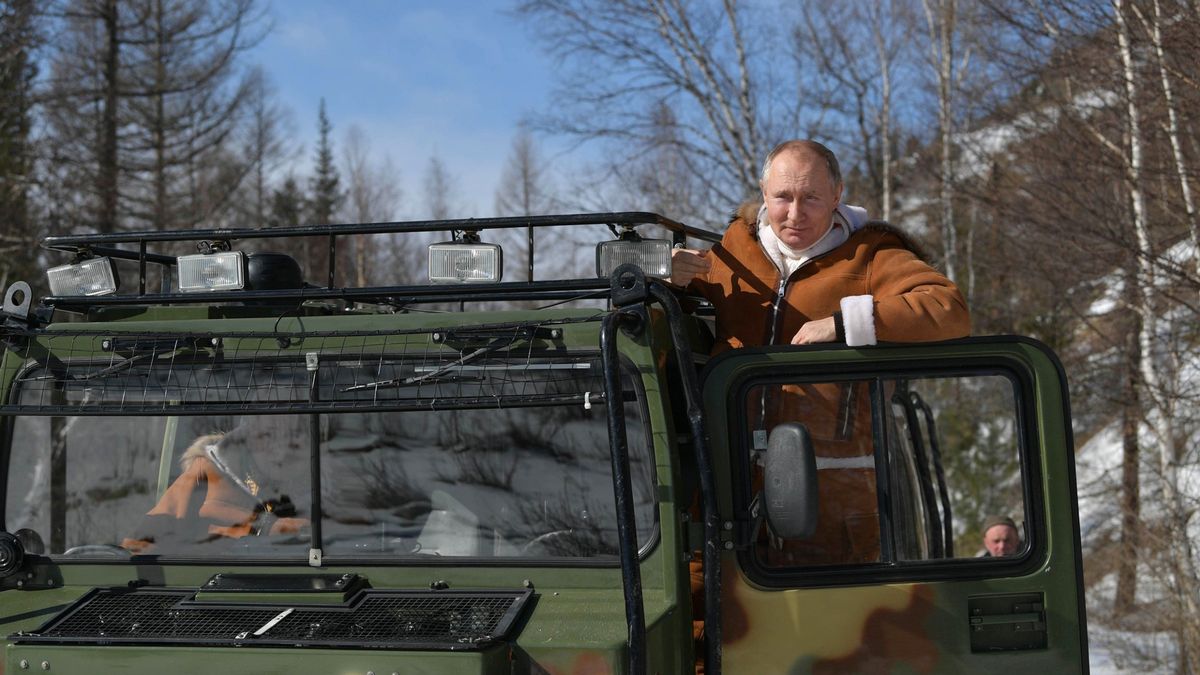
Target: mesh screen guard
[[386, 619], [90, 372]]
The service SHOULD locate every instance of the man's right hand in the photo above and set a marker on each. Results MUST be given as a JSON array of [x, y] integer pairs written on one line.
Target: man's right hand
[[687, 264]]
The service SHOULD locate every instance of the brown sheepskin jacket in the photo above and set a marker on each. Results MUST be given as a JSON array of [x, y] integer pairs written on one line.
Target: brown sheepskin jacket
[[879, 275], [912, 302]]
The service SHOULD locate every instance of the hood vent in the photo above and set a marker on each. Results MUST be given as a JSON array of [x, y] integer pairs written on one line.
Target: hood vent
[[436, 620]]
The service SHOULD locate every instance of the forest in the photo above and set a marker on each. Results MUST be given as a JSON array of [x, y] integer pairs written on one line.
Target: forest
[[1044, 152]]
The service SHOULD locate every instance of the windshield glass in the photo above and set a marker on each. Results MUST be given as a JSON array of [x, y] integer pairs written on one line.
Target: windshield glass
[[511, 464]]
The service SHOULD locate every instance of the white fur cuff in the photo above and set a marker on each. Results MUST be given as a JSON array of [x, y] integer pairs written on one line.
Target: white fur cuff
[[858, 316]]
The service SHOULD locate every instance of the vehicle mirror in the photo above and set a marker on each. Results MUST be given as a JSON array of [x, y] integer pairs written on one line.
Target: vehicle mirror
[[790, 482]]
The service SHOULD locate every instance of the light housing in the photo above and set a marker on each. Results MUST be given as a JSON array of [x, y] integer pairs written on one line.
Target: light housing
[[652, 255], [222, 271], [94, 276], [466, 262]]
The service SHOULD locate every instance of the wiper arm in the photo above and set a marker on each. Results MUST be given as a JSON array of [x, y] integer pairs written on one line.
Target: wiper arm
[[437, 373], [174, 349]]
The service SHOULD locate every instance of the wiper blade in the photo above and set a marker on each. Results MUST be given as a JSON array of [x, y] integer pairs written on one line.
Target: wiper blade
[[156, 349], [438, 374]]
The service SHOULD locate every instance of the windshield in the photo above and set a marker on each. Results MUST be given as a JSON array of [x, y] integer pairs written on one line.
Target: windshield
[[515, 466]]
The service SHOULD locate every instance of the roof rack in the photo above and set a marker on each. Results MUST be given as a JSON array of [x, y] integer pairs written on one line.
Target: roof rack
[[134, 246]]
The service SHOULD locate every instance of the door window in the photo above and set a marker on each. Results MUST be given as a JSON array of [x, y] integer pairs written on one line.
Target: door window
[[908, 470]]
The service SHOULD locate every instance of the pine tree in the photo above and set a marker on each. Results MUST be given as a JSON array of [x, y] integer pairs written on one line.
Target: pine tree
[[286, 209], [326, 190]]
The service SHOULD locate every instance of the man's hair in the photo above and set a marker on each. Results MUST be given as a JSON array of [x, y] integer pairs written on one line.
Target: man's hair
[[992, 521], [806, 145]]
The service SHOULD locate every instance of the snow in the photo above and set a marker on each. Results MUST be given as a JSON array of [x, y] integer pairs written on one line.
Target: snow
[[981, 146]]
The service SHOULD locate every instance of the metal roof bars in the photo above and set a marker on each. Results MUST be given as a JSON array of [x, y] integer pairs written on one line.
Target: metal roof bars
[[135, 246]]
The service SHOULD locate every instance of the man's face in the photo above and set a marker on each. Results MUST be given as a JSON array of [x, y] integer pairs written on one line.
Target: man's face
[[800, 197], [1001, 540]]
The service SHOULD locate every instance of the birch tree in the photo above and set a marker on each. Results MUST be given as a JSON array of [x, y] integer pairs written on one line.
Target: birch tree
[[941, 22], [1162, 413], [856, 77], [1153, 27]]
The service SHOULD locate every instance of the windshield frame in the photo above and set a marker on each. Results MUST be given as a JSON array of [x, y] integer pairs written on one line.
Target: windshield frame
[[630, 375]]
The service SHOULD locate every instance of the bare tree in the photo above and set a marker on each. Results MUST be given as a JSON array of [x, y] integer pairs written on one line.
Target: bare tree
[[1103, 191], [437, 183], [1153, 27], [150, 129], [1182, 561], [704, 61], [265, 146], [82, 100], [373, 194], [858, 81], [942, 23], [19, 38], [525, 190]]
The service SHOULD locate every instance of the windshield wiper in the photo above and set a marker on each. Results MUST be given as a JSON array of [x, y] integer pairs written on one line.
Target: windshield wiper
[[437, 374], [156, 349]]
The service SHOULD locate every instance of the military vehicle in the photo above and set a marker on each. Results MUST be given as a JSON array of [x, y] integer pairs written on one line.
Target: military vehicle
[[228, 467]]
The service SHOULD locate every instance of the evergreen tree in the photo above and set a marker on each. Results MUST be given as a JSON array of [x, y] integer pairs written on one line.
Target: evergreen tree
[[286, 209], [325, 201], [287, 205], [326, 190]]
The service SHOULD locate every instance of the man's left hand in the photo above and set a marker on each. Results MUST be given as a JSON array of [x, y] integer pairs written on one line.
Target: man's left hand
[[821, 330]]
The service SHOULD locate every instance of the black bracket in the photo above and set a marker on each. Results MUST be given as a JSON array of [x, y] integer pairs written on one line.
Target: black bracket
[[628, 286], [17, 300], [210, 246]]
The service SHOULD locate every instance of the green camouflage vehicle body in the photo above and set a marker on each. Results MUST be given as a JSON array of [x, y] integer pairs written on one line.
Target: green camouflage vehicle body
[[909, 611]]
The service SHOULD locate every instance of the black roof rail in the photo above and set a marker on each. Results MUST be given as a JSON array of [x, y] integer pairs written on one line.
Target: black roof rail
[[134, 246]]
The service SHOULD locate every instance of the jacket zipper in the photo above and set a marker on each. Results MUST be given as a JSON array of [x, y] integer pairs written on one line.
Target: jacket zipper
[[775, 309], [760, 431]]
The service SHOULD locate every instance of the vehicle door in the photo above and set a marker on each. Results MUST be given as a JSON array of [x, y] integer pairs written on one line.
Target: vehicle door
[[913, 448]]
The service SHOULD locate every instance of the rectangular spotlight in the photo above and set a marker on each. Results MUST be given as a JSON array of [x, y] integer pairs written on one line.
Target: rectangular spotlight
[[652, 255], [223, 271], [95, 276], [457, 263]]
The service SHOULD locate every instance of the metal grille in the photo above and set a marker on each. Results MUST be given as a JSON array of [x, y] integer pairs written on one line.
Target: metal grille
[[431, 620], [93, 372]]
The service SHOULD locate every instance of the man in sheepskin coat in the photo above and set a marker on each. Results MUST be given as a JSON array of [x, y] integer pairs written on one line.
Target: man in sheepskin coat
[[802, 268]]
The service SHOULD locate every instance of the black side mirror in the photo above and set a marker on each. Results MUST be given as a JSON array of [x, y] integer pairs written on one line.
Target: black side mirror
[[790, 482]]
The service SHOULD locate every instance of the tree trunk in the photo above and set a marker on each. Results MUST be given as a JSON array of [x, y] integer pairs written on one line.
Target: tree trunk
[[1131, 418], [1157, 398], [106, 175], [885, 117], [941, 46], [1173, 133]]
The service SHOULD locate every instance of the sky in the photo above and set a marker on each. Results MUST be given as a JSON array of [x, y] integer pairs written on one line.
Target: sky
[[451, 77]]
